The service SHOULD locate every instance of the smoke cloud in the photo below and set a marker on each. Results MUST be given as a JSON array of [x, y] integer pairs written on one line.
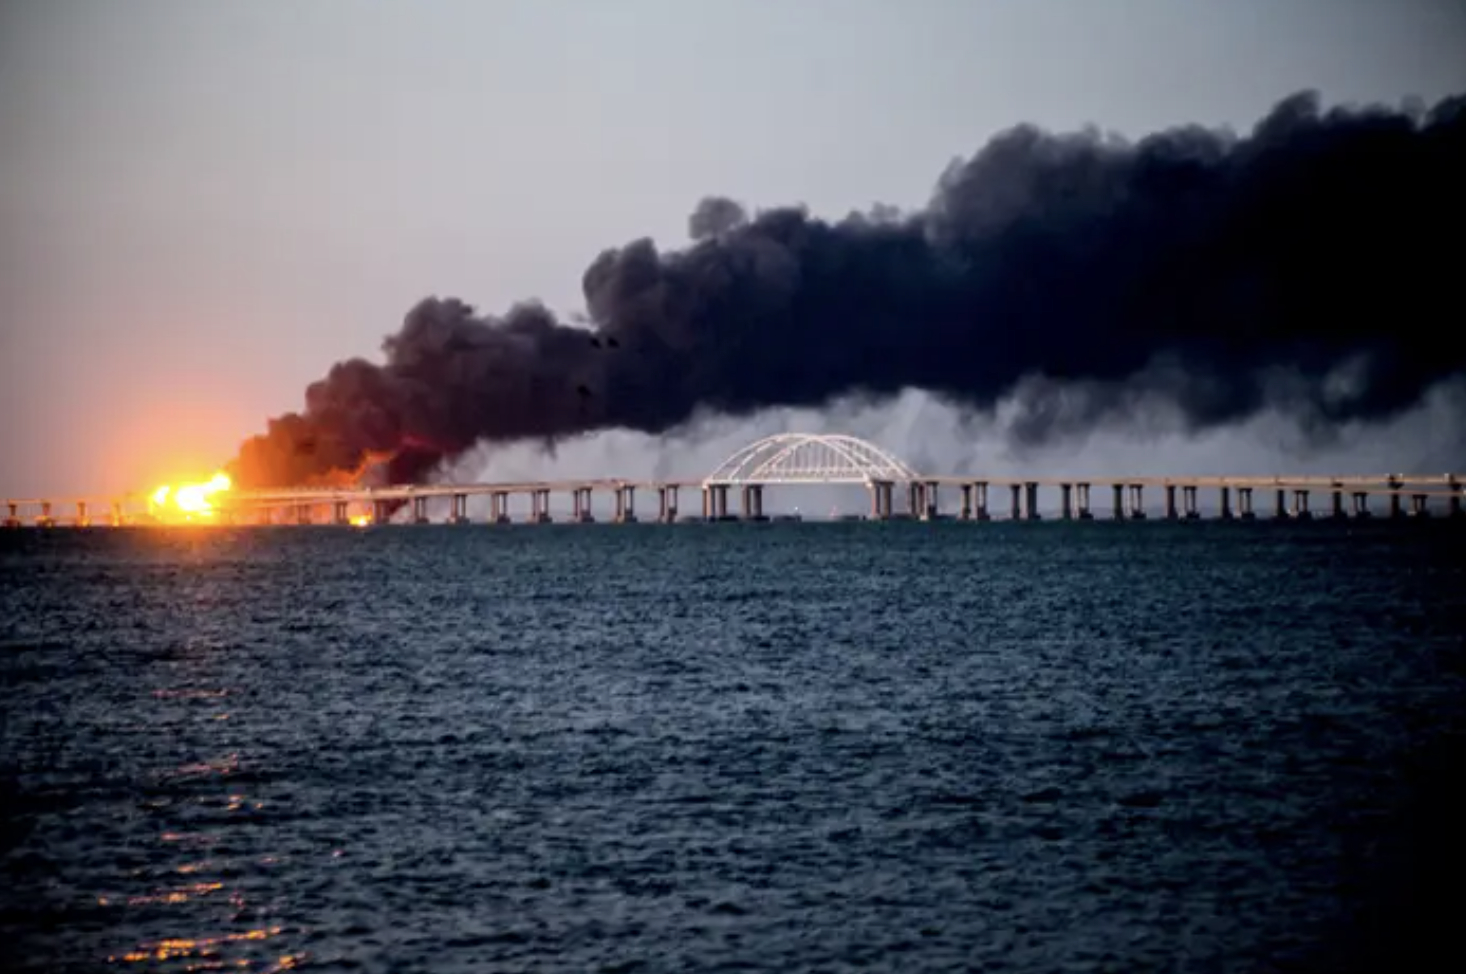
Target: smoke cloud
[[1309, 267]]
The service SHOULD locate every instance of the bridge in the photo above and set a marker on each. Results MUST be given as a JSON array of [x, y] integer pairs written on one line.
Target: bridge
[[786, 459]]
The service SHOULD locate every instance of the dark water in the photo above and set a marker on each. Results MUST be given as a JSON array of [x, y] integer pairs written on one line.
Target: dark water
[[904, 747]]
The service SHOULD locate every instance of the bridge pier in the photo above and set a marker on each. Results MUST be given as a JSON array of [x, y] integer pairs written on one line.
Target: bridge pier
[[964, 510], [1016, 508], [45, 520], [667, 503], [117, 518], [1418, 506], [1082, 493], [12, 517], [880, 499], [1361, 503], [1244, 503], [1137, 502], [459, 513], [1171, 513], [1188, 499], [1300, 505], [980, 501], [1225, 497], [419, 510], [82, 520], [1338, 501], [539, 506], [1394, 485], [914, 502], [715, 502], [302, 514], [1454, 504], [929, 505], [1030, 502], [339, 516], [1066, 502], [1118, 502], [751, 505], [499, 507], [1280, 507], [626, 504], [580, 499]]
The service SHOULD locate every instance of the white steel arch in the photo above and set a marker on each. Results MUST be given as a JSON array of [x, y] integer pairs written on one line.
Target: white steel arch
[[810, 458]]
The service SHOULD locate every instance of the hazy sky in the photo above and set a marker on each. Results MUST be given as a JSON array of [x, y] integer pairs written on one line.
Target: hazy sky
[[205, 204]]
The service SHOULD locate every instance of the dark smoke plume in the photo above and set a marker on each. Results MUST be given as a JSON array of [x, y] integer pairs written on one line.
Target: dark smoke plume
[[1312, 266]]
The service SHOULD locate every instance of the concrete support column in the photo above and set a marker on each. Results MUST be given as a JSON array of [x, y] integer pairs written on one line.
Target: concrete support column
[[339, 515], [1361, 504], [117, 518], [460, 509], [666, 504], [541, 498], [1083, 499], [82, 520], [1119, 502], [381, 512], [1017, 506], [914, 502], [980, 500], [881, 499], [1300, 505], [1030, 501], [1395, 498], [626, 504], [715, 502], [12, 515], [929, 506], [752, 506], [1171, 512], [1280, 508], [302, 514], [1418, 506], [1067, 501], [1338, 501], [1226, 500], [1244, 503], [1454, 503], [419, 510], [964, 511], [499, 502], [620, 511], [1193, 512], [1137, 502]]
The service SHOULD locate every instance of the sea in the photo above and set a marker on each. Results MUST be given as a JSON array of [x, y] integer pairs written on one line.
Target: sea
[[1005, 747]]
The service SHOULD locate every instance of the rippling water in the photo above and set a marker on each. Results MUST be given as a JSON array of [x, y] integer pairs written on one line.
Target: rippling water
[[1013, 747]]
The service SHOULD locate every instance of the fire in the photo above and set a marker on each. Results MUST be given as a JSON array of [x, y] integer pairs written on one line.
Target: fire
[[190, 501], [361, 520]]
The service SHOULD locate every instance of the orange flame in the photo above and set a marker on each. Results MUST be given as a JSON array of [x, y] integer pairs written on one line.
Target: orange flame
[[190, 501]]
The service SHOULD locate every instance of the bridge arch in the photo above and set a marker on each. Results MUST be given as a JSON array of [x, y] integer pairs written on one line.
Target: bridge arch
[[810, 458]]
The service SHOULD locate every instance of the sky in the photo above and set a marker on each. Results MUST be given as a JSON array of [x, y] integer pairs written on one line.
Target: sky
[[203, 206]]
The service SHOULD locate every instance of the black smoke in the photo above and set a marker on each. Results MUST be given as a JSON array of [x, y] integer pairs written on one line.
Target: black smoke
[[1311, 266]]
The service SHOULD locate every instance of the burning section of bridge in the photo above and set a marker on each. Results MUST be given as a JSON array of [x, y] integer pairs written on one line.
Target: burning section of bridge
[[189, 503]]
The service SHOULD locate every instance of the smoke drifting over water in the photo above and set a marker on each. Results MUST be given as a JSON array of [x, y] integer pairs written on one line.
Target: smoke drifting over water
[[1308, 267]]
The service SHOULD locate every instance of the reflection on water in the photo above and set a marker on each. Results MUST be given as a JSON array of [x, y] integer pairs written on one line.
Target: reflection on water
[[1019, 748]]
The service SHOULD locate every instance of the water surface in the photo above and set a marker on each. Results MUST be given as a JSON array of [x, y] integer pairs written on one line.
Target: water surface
[[787, 747]]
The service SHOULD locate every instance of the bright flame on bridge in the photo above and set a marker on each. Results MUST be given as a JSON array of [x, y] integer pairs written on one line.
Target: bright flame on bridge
[[189, 502]]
